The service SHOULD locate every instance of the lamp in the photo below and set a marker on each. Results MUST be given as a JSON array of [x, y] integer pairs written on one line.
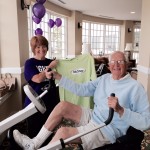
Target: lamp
[[25, 4], [128, 47], [79, 25]]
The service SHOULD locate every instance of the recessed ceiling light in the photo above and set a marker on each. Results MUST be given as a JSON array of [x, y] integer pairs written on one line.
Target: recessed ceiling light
[[132, 12]]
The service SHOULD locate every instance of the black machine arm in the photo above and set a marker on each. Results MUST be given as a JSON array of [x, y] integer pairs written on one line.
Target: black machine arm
[[51, 83], [111, 112]]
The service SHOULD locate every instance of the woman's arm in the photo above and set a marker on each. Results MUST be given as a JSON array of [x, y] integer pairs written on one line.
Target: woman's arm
[[38, 78]]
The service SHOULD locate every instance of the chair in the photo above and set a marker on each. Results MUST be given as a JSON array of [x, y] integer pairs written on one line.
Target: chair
[[101, 66], [102, 69], [131, 141]]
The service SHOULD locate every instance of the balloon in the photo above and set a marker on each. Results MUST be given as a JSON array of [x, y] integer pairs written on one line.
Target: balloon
[[41, 1], [38, 10], [38, 31], [51, 23], [58, 22], [36, 20]]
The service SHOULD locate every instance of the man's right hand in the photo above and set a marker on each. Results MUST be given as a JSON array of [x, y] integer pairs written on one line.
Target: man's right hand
[[113, 102]]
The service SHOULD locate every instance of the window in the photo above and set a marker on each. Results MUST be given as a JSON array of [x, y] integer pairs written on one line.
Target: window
[[57, 36], [103, 38], [137, 31], [136, 40]]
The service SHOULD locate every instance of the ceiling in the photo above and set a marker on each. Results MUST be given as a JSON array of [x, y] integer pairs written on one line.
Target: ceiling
[[112, 9]]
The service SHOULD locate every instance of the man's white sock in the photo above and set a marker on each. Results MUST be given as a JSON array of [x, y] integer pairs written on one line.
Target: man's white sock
[[41, 137]]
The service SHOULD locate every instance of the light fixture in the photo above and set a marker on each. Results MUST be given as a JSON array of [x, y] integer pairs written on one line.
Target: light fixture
[[25, 4], [79, 25], [132, 12], [129, 30], [128, 47]]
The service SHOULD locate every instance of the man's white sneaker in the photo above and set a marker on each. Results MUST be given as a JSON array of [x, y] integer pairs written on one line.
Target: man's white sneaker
[[23, 141]]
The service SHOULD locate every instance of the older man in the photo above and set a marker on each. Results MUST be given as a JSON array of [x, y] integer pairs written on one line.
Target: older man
[[131, 108]]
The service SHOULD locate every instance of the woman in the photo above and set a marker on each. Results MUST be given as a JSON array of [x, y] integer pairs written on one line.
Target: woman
[[35, 75]]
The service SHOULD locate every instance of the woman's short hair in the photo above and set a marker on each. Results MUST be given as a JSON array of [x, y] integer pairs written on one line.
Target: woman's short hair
[[38, 40]]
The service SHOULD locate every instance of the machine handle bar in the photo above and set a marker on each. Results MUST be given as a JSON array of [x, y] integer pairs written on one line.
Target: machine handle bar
[[111, 112]]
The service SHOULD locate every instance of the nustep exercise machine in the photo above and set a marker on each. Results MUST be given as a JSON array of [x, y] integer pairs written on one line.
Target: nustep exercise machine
[[60, 144]]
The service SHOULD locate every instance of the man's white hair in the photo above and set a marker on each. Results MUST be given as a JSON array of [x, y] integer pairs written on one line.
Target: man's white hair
[[125, 58]]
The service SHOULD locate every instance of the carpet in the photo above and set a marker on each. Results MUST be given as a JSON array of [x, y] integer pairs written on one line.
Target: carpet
[[9, 144], [146, 142]]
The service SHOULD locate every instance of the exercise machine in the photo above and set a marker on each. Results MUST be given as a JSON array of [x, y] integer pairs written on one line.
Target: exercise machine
[[132, 139], [60, 144], [36, 105]]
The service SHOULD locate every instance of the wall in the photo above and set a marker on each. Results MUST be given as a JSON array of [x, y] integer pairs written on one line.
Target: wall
[[74, 34], [13, 51], [129, 35], [144, 49]]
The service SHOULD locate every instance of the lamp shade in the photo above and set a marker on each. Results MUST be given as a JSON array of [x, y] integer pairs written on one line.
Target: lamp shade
[[128, 47]]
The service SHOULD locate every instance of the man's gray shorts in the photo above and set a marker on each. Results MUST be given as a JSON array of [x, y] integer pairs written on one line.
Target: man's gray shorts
[[94, 139]]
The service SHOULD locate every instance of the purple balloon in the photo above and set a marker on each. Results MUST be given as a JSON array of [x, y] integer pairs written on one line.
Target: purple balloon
[[58, 22], [41, 1], [36, 20], [38, 10], [51, 23], [38, 31]]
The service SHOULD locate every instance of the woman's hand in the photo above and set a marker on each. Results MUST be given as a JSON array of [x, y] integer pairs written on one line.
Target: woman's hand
[[53, 64], [114, 103], [52, 74]]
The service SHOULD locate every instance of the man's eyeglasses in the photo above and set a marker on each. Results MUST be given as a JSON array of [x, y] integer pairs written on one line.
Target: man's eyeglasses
[[120, 62]]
